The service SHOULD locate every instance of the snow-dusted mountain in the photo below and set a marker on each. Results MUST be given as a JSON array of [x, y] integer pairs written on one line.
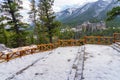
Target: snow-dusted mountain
[[89, 11], [65, 13]]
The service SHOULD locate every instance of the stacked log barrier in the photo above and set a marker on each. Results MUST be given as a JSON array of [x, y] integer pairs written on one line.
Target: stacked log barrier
[[61, 43], [72, 42], [98, 40], [107, 40], [116, 37], [45, 47]]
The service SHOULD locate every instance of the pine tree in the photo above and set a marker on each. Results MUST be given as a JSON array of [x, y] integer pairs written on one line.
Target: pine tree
[[3, 34], [33, 19], [113, 13], [10, 9], [47, 17]]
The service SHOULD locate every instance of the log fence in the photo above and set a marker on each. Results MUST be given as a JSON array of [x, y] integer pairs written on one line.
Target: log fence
[[98, 40], [61, 43], [116, 37]]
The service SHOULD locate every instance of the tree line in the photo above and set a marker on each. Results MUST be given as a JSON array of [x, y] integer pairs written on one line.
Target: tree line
[[13, 31]]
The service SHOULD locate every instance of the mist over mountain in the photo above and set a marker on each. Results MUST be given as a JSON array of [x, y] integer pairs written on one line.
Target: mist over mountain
[[95, 11]]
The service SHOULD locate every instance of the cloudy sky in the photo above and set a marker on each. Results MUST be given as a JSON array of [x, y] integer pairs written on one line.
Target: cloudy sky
[[63, 4], [58, 5]]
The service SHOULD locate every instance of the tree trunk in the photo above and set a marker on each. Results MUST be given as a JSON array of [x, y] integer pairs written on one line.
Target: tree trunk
[[50, 38], [12, 12]]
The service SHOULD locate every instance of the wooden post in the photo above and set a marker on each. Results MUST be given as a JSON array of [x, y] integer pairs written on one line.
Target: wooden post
[[52, 46], [58, 43], [42, 47], [99, 39], [7, 57], [32, 50], [21, 53], [114, 37], [85, 41]]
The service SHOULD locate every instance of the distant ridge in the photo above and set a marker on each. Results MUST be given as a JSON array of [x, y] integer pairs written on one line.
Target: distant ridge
[[93, 12]]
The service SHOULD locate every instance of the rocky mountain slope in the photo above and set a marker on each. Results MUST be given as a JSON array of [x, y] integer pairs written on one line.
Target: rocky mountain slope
[[95, 11]]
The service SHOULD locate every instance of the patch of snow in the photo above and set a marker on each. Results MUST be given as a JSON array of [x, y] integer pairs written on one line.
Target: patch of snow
[[108, 1], [82, 9], [102, 63], [4, 49], [8, 69], [102, 6], [54, 66]]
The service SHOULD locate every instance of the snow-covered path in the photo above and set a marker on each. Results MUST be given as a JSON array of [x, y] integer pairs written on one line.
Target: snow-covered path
[[12, 67], [100, 63], [51, 65]]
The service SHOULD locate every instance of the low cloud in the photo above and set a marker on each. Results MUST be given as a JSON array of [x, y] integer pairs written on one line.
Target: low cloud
[[62, 4]]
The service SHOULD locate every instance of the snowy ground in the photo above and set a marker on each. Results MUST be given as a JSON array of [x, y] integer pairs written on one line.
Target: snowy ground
[[102, 63], [99, 63], [51, 65]]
